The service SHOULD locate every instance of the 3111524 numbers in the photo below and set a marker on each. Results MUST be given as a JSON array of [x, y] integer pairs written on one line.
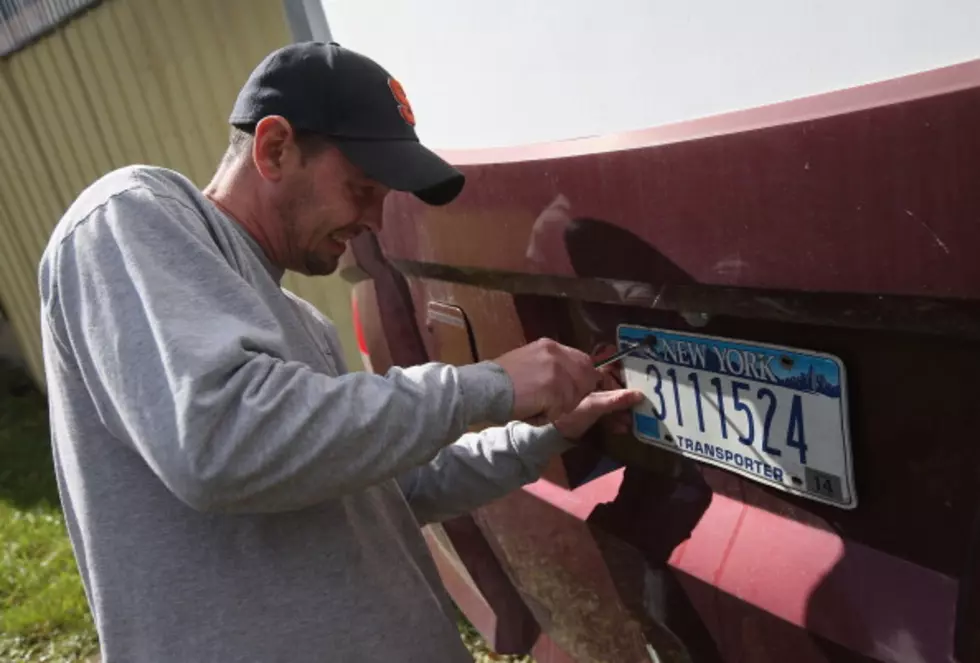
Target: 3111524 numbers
[[739, 394]]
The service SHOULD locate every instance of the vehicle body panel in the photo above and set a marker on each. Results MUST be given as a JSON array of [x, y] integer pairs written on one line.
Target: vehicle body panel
[[846, 224]]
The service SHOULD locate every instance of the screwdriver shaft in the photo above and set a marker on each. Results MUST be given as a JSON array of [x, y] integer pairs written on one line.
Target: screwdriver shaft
[[616, 357]]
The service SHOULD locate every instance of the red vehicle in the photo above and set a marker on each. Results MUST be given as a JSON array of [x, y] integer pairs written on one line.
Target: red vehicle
[[844, 228]]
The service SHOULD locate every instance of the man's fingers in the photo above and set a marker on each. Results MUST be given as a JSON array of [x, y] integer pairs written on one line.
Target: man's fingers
[[538, 420], [594, 407], [587, 377], [604, 402], [554, 413], [569, 396], [553, 379], [612, 377]]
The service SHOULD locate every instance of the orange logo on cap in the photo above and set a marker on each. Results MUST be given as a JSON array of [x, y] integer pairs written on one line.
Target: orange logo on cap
[[404, 107]]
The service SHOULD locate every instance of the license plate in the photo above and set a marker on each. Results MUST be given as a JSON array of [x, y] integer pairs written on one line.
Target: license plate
[[773, 414]]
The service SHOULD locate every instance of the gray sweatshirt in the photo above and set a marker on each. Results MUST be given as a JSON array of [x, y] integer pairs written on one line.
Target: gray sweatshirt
[[232, 493]]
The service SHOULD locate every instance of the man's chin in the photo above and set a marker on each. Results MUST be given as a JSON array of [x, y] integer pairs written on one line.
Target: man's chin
[[319, 266]]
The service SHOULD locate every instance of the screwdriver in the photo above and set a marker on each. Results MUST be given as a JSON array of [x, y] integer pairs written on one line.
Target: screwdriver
[[649, 341]]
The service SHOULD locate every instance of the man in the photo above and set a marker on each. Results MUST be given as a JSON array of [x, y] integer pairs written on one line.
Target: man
[[231, 492]]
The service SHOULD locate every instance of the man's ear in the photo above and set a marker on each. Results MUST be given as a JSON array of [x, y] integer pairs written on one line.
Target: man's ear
[[272, 146]]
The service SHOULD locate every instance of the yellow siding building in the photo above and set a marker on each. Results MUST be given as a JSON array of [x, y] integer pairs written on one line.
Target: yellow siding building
[[88, 87]]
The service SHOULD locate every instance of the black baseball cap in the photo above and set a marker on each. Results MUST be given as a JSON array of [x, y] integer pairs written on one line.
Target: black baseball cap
[[348, 98]]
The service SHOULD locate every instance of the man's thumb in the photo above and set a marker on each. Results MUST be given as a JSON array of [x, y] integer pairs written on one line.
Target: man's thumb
[[614, 400]]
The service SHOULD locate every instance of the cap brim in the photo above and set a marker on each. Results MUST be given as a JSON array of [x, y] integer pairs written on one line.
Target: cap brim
[[405, 165]]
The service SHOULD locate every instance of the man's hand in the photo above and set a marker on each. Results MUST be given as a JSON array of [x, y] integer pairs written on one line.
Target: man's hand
[[611, 399], [550, 379]]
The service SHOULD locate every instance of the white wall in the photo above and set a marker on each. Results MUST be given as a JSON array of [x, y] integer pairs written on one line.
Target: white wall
[[503, 72]]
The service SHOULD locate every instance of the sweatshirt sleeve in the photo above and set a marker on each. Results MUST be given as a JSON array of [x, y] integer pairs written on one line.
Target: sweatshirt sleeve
[[479, 468], [186, 364]]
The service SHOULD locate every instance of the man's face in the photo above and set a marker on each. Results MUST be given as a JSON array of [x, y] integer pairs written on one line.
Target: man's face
[[319, 201], [325, 203]]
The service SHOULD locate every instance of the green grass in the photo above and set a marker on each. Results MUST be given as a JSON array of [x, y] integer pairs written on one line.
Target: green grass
[[43, 612], [478, 646]]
